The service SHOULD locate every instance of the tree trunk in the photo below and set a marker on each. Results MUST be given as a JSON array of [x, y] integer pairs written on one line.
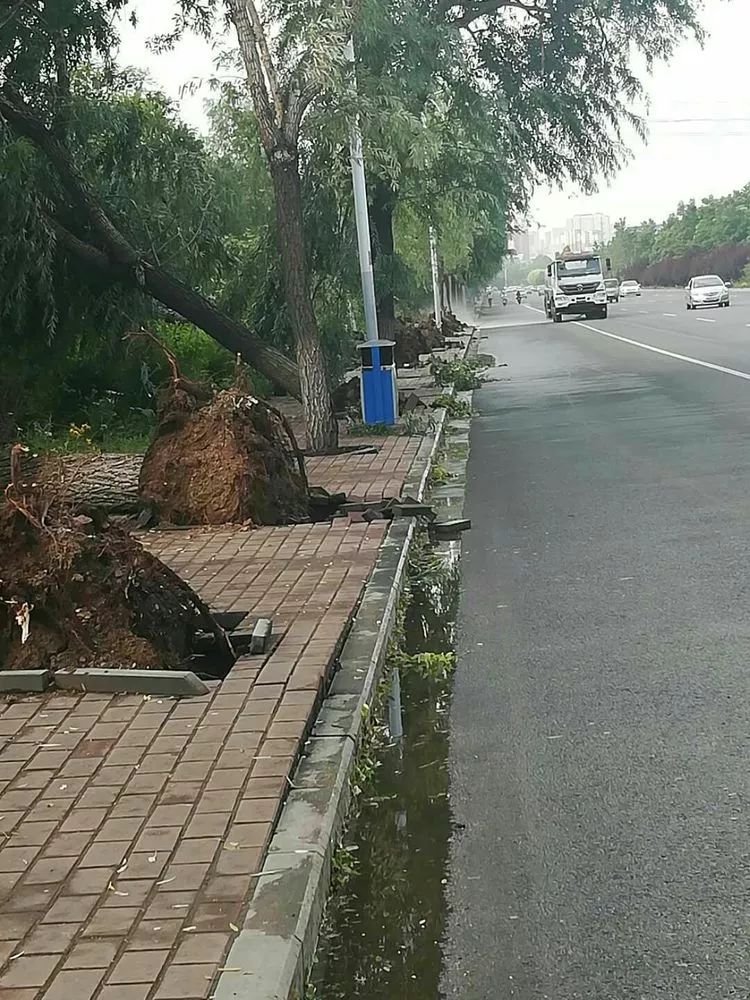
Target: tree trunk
[[192, 306], [383, 207], [109, 482], [317, 405], [236, 337], [447, 299], [115, 255]]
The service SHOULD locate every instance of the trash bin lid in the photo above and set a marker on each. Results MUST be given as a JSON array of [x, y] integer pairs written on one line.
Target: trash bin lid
[[376, 343]]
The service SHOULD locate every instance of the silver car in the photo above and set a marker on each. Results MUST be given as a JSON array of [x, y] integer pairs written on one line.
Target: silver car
[[706, 290]]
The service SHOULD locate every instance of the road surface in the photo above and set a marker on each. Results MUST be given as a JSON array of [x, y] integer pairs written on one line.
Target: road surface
[[600, 745]]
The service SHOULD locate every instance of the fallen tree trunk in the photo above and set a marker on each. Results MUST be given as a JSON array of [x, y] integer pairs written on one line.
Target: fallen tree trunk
[[105, 481], [112, 254]]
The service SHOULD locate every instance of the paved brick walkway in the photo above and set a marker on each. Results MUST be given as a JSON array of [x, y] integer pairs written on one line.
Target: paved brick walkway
[[131, 828], [367, 477]]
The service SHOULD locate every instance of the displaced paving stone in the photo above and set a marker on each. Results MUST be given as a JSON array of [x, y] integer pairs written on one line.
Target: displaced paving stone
[[171, 683], [260, 636], [24, 680]]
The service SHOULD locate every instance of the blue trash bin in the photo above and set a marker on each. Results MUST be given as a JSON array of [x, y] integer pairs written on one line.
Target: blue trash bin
[[378, 386]]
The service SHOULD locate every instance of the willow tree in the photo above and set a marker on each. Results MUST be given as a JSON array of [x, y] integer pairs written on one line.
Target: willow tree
[[557, 80], [69, 197], [292, 52]]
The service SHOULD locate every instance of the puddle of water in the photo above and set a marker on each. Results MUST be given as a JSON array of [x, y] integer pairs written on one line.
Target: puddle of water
[[383, 929]]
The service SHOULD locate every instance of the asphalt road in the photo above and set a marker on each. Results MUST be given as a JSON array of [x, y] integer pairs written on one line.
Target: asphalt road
[[600, 743]]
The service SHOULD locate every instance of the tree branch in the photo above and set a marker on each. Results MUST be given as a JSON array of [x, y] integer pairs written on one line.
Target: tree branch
[[299, 99], [472, 11], [16, 112], [266, 103], [265, 57]]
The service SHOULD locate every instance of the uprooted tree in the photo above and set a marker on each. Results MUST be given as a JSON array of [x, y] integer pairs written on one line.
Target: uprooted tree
[[48, 105], [81, 225], [222, 457], [76, 591], [216, 457]]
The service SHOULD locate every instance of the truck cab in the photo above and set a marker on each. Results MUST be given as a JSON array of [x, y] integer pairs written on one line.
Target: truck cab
[[575, 286]]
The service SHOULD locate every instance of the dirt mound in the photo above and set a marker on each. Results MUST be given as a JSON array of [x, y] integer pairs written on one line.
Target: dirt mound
[[74, 593], [414, 338], [452, 325], [222, 458]]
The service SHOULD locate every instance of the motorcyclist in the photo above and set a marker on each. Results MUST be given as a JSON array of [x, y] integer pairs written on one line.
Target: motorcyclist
[[519, 297]]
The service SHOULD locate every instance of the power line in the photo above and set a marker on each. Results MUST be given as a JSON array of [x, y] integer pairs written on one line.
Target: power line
[[697, 121]]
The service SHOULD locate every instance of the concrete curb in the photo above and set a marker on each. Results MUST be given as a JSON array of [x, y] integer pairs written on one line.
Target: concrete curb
[[274, 950]]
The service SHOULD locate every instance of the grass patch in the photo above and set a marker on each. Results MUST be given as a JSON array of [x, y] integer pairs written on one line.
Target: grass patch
[[80, 439]]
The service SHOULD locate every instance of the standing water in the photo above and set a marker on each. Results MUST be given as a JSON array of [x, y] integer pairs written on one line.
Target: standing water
[[381, 939]]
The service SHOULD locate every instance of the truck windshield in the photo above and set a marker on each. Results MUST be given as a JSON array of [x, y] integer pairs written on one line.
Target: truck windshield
[[574, 268]]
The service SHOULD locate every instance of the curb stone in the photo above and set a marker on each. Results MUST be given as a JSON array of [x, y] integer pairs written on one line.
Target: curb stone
[[271, 955]]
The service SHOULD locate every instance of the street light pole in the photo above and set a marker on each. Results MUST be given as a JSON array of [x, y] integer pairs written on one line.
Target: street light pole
[[361, 215], [435, 279]]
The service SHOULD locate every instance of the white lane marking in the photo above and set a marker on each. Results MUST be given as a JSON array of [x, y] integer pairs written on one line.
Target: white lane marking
[[667, 354], [702, 319], [671, 315]]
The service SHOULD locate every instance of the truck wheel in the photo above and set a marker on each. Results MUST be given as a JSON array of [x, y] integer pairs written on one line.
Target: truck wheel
[[556, 316], [603, 312]]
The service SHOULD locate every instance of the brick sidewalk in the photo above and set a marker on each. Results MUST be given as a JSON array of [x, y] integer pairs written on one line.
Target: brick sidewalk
[[131, 827], [367, 477]]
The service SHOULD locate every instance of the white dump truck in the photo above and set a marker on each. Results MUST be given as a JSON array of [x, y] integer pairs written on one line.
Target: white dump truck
[[575, 286]]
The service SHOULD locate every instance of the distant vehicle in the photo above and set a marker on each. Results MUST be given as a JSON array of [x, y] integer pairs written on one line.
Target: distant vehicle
[[706, 290], [630, 288], [575, 286], [612, 286]]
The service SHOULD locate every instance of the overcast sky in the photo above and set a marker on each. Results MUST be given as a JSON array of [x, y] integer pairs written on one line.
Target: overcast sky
[[699, 137]]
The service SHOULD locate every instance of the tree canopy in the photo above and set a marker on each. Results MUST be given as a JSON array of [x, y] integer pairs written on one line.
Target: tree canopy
[[117, 214], [713, 235]]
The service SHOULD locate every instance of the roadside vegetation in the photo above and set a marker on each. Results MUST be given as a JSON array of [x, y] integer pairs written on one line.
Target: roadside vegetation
[[709, 237], [116, 216]]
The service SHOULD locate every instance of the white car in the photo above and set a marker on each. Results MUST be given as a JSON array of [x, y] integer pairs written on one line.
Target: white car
[[629, 288], [706, 290]]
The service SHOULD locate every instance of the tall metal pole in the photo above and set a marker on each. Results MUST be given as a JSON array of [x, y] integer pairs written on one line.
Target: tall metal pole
[[435, 279], [361, 215], [395, 717]]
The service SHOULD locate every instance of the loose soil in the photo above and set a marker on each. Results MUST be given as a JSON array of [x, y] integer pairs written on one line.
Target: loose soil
[[223, 458], [421, 337], [95, 597]]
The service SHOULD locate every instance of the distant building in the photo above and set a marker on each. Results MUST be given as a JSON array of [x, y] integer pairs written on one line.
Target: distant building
[[521, 243], [583, 232], [551, 241]]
